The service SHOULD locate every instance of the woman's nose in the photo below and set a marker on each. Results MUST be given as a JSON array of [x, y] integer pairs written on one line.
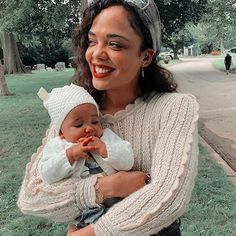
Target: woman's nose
[[90, 131], [100, 52]]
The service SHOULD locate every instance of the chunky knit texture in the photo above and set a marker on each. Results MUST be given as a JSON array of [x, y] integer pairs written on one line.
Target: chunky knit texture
[[163, 134], [60, 101]]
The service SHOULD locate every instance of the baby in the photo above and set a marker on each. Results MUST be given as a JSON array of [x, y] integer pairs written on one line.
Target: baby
[[80, 146]]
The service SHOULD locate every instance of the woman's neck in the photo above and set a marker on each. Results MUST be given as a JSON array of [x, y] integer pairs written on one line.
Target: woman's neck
[[114, 101]]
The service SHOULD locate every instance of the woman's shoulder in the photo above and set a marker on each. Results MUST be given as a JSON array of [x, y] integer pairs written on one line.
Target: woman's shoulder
[[172, 102], [173, 99]]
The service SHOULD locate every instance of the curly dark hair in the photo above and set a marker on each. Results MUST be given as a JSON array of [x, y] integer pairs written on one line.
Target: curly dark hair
[[156, 78]]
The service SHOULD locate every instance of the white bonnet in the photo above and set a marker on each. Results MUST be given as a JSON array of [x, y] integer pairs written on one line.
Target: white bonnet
[[62, 100]]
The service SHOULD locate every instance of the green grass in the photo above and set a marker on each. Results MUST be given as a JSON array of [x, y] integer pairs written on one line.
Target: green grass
[[219, 64], [212, 211], [24, 121]]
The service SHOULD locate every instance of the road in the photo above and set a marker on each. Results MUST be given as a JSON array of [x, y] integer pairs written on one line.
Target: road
[[216, 94]]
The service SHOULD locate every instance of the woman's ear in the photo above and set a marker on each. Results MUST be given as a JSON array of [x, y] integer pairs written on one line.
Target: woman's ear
[[148, 57]]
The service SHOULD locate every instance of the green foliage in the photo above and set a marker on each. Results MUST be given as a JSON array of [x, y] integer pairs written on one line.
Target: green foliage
[[41, 27], [216, 30], [175, 14], [24, 120], [47, 54]]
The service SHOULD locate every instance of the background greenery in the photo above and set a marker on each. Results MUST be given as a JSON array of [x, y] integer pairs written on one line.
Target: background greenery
[[219, 64], [43, 28], [212, 211]]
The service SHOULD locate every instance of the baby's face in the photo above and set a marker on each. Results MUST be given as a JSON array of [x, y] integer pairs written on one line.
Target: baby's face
[[82, 121]]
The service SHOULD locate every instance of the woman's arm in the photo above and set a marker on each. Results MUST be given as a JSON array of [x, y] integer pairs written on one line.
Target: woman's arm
[[121, 184], [174, 167], [63, 201], [114, 186]]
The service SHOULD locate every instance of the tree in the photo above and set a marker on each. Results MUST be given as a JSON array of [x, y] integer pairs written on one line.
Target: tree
[[175, 14], [11, 56], [41, 27], [180, 39], [216, 29], [3, 85], [220, 19]]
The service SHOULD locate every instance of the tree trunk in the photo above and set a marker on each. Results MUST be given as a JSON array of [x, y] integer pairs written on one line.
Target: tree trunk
[[11, 56], [3, 85], [175, 51]]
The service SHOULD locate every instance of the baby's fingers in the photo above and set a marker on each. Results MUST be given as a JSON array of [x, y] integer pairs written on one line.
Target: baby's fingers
[[86, 141], [80, 140], [89, 148]]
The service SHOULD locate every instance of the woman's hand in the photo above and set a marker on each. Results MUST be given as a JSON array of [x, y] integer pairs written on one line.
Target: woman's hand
[[87, 231], [122, 184]]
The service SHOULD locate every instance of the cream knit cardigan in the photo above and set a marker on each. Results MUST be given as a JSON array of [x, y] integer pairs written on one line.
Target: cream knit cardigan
[[163, 134]]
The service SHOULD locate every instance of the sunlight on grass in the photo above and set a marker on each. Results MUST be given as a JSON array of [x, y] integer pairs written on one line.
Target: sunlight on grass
[[24, 120]]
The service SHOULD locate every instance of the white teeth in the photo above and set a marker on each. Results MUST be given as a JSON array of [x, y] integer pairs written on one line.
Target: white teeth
[[100, 70]]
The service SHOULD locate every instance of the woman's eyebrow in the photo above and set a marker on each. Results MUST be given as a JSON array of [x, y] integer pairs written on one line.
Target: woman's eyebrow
[[110, 35], [116, 36]]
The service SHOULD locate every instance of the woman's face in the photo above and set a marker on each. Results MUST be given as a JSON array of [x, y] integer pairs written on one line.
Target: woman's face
[[114, 55]]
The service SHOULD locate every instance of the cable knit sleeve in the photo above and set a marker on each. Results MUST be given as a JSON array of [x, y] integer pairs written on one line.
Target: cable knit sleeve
[[173, 170], [62, 201]]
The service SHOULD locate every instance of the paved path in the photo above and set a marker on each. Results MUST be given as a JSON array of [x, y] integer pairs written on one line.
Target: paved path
[[216, 94]]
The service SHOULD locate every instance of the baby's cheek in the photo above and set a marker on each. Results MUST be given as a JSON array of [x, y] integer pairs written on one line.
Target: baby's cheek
[[99, 132]]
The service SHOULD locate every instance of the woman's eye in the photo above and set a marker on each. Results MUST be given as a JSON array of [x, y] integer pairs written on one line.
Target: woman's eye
[[115, 45], [92, 42]]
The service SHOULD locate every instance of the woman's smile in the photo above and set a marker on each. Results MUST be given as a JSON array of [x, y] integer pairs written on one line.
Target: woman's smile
[[101, 71], [113, 54]]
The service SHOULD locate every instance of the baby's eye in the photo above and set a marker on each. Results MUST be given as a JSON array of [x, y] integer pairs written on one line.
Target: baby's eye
[[79, 125], [95, 122]]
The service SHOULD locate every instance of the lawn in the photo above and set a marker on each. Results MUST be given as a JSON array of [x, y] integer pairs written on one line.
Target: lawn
[[219, 64], [212, 211]]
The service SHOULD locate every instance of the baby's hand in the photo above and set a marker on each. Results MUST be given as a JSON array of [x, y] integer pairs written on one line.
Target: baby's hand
[[96, 143], [85, 140], [78, 151]]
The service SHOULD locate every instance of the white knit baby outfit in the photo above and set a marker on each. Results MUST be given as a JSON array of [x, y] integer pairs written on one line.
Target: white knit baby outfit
[[54, 165]]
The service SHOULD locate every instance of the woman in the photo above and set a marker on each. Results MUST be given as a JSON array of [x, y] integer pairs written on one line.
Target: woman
[[228, 63], [116, 43]]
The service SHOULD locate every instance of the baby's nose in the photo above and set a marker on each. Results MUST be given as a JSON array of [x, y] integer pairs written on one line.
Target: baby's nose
[[90, 130]]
